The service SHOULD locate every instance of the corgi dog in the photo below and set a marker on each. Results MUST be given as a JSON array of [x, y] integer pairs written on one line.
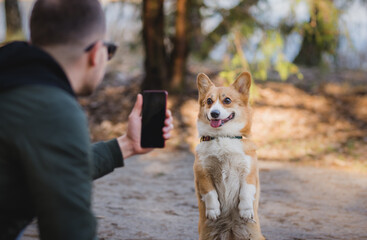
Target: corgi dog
[[225, 168]]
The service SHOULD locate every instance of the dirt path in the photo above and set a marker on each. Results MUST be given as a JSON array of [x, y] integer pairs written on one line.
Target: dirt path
[[311, 203], [153, 198]]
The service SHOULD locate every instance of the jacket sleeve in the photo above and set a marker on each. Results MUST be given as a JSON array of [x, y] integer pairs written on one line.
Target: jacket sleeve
[[56, 160], [106, 157]]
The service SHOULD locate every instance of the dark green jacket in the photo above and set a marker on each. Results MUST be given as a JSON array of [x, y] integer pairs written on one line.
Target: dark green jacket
[[47, 162]]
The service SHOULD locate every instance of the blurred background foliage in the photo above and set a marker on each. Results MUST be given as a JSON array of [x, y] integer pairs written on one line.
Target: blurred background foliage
[[308, 59], [262, 36]]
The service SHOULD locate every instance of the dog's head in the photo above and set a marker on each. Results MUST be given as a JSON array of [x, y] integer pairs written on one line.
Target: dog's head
[[224, 111]]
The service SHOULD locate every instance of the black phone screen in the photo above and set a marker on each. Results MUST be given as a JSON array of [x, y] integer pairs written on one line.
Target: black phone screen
[[153, 116]]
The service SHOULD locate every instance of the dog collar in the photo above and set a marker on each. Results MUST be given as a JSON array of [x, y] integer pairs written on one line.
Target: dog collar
[[209, 138]]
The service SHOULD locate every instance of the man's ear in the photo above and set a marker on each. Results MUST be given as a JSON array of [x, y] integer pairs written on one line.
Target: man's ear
[[204, 84], [243, 83], [93, 54]]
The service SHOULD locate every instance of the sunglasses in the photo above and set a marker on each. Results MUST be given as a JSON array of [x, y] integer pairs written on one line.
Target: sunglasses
[[111, 48]]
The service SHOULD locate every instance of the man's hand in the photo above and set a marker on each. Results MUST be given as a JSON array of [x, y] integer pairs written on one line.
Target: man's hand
[[130, 142]]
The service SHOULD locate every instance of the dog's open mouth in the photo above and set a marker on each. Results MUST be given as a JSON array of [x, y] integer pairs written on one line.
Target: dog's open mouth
[[215, 123]]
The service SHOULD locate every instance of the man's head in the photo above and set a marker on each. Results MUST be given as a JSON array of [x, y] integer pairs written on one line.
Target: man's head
[[55, 22], [72, 31]]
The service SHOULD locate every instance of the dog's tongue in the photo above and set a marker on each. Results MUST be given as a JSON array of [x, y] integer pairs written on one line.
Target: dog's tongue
[[215, 123]]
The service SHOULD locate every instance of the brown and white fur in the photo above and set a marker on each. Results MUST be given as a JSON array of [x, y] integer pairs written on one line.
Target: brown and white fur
[[225, 169]]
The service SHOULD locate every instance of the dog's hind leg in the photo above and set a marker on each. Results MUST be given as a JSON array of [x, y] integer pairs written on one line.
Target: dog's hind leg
[[248, 194], [249, 201], [209, 206]]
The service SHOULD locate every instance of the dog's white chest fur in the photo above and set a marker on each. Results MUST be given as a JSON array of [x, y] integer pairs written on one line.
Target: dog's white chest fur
[[227, 163], [224, 151]]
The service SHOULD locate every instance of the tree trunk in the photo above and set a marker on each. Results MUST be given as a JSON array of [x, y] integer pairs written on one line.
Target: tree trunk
[[194, 19], [156, 72], [310, 54], [13, 21], [180, 50], [320, 34]]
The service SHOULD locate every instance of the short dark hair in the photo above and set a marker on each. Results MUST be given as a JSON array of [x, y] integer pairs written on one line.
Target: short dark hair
[[55, 22]]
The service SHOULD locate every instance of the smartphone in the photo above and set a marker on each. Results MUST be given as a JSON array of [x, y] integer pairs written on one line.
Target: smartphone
[[153, 116]]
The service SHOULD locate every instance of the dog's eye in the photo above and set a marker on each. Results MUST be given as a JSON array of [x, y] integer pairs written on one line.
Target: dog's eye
[[209, 101], [227, 100]]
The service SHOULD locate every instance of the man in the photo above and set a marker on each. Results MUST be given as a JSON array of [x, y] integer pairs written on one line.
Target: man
[[46, 160]]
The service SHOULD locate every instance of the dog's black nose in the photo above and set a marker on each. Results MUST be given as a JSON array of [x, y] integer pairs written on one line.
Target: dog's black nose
[[215, 113]]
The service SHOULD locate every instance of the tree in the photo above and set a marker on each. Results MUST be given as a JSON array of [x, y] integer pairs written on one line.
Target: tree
[[155, 63], [320, 34], [13, 21], [180, 47], [165, 54]]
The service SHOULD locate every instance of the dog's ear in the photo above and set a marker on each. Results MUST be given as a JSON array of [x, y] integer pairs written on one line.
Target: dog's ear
[[204, 84], [243, 83]]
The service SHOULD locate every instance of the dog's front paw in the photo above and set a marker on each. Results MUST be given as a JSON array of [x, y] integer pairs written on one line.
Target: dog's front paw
[[212, 214], [212, 205], [247, 215]]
